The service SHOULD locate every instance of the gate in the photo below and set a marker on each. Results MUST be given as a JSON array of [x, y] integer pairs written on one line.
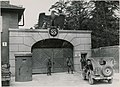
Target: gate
[[57, 55]]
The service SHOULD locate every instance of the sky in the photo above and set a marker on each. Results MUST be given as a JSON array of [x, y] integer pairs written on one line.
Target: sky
[[32, 9]]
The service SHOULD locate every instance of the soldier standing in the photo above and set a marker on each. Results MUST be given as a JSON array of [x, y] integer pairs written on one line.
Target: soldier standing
[[83, 62], [49, 66], [69, 65]]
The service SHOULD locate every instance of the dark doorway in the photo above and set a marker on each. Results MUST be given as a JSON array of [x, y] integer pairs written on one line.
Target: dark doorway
[[83, 55], [55, 49], [83, 60]]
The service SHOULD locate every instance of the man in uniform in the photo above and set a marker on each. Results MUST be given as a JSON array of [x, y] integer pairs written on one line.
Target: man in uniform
[[69, 65], [49, 66], [89, 66], [83, 62]]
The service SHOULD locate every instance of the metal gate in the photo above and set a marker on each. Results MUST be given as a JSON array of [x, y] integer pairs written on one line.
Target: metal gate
[[58, 57]]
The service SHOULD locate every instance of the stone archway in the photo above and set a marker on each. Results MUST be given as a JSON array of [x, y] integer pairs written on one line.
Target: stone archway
[[55, 49], [21, 41]]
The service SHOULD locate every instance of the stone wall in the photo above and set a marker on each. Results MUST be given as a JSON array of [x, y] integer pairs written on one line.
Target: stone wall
[[21, 41]]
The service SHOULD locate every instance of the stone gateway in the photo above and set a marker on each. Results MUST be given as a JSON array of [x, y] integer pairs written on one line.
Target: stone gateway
[[41, 43], [43, 46]]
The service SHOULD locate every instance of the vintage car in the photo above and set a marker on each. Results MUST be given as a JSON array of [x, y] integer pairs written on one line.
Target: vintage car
[[6, 75], [102, 70]]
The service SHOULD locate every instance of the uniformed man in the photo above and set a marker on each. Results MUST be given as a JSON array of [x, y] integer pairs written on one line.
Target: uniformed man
[[89, 66], [83, 62], [49, 66], [69, 65]]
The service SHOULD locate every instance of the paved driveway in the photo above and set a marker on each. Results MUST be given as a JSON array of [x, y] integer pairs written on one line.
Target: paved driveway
[[62, 80]]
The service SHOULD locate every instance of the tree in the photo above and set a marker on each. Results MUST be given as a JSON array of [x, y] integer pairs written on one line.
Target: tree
[[106, 24], [98, 16], [80, 14], [77, 13], [59, 6]]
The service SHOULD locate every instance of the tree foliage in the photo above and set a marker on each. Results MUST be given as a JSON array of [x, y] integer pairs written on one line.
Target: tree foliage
[[104, 24], [77, 13], [98, 16], [59, 6]]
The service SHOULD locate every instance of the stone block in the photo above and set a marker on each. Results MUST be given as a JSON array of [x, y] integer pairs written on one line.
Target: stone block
[[75, 41], [76, 60], [87, 47], [24, 48], [79, 47], [12, 62], [76, 53], [36, 37], [85, 41], [83, 35], [13, 34], [12, 70], [44, 35], [62, 35], [11, 55], [16, 40], [69, 37], [29, 41], [24, 34], [13, 47]]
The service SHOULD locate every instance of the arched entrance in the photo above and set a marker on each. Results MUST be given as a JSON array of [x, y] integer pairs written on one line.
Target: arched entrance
[[56, 49]]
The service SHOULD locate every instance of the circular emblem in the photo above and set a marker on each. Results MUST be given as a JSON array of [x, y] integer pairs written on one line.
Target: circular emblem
[[53, 32]]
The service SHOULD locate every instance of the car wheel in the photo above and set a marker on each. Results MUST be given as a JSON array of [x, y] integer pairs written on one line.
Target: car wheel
[[107, 71], [91, 80], [110, 81]]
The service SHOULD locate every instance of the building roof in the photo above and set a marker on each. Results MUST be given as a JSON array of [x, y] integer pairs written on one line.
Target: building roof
[[7, 7], [6, 4]]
